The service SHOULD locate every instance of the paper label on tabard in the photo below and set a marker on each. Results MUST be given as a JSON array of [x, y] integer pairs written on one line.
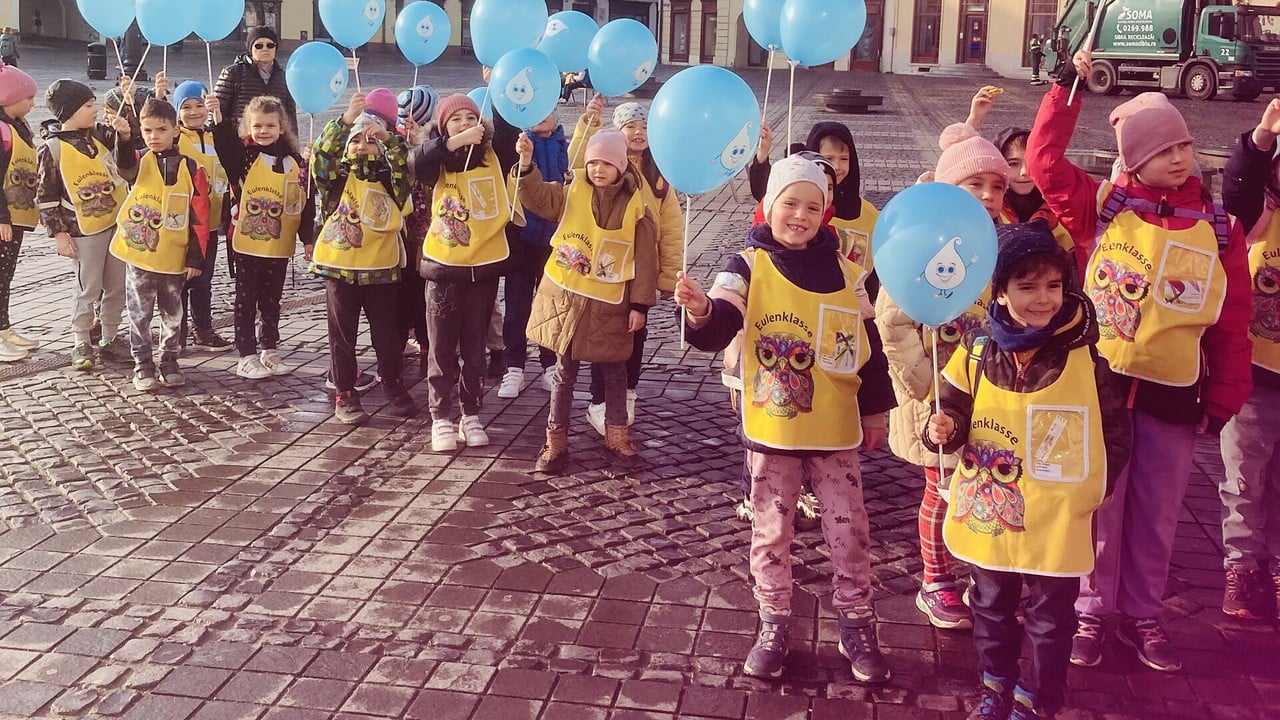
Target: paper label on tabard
[[1058, 442]]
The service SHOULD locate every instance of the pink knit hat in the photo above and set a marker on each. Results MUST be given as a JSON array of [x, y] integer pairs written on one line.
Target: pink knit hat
[[1147, 126], [15, 85], [382, 103], [609, 146], [452, 104], [965, 154]]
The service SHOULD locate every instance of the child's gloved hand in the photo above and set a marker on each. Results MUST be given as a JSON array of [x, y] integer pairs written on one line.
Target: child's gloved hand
[[1264, 136], [941, 429], [689, 295]]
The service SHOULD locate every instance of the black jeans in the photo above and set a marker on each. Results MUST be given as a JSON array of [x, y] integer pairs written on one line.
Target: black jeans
[[412, 297], [457, 324], [522, 280], [633, 367], [259, 285], [343, 302], [1050, 622], [197, 293]]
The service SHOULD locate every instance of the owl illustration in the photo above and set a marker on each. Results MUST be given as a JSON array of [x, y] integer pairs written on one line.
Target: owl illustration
[[21, 192], [987, 497], [573, 259], [1117, 292], [344, 231], [261, 219], [950, 334], [1266, 303], [450, 224], [783, 385], [142, 229], [96, 199]]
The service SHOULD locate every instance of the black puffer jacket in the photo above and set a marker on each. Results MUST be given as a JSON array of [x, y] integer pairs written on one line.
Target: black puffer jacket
[[241, 82]]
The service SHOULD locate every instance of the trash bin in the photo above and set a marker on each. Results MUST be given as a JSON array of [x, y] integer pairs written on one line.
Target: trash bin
[[97, 61]]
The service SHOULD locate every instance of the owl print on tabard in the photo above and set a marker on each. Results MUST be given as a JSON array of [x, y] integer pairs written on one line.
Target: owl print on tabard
[[450, 223], [21, 193], [1117, 291], [344, 231], [783, 384], [987, 497], [96, 198], [261, 219], [1266, 303], [142, 230]]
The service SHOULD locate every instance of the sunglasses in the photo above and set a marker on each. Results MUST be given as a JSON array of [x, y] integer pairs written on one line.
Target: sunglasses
[[264, 46]]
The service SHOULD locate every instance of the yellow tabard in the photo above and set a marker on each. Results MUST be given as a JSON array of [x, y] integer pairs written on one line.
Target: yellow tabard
[[588, 260], [190, 144], [94, 187], [855, 235], [363, 233], [951, 333], [269, 212], [20, 184], [469, 215], [1155, 291], [801, 352], [1032, 474], [1264, 266], [153, 230]]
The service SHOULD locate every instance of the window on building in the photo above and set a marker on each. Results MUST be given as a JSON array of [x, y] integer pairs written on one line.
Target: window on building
[[1041, 15], [681, 18], [708, 53], [925, 29]]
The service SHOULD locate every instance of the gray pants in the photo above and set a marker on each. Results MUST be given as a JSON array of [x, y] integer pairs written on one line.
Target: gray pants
[[148, 291], [99, 276], [566, 376], [1250, 488]]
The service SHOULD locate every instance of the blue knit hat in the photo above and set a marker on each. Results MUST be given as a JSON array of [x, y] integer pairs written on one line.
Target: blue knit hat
[[189, 90]]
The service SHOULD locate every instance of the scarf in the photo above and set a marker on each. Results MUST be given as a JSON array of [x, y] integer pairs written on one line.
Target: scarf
[[1014, 338]]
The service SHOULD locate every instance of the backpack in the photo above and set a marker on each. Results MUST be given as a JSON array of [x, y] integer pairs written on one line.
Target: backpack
[[1118, 199]]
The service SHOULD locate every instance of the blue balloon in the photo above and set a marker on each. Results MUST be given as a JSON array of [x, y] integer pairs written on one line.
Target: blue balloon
[[704, 125], [816, 32], [165, 22], [422, 31], [218, 19], [567, 39], [525, 87], [934, 248], [500, 26], [480, 96], [621, 57], [111, 18], [763, 19], [352, 22], [316, 75]]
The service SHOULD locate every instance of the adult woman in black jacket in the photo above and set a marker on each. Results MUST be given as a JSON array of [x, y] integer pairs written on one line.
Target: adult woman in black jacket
[[254, 73]]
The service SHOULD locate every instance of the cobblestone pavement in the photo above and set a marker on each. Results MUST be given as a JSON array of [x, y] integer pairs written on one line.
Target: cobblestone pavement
[[228, 551]]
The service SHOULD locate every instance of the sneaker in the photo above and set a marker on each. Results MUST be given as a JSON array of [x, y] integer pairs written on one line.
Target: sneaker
[[1248, 593], [471, 431], [631, 407], [1086, 646], [859, 646], [144, 378], [270, 360], [995, 699], [170, 374], [347, 408], [808, 512], [941, 603], [412, 347], [744, 511], [512, 383], [497, 365], [10, 352], [1149, 640], [768, 656], [595, 417], [548, 379], [251, 367], [116, 349], [363, 382], [82, 356], [210, 341], [1024, 706], [12, 337], [444, 436], [402, 404]]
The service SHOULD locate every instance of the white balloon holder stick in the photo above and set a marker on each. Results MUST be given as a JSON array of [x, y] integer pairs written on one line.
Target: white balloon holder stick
[[208, 56], [937, 396], [684, 264], [355, 68], [791, 106], [768, 83], [1093, 34]]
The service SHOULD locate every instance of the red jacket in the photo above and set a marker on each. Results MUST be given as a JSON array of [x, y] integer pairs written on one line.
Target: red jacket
[[1073, 195]]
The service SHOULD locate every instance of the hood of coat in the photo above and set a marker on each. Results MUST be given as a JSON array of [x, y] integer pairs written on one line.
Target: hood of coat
[[848, 198]]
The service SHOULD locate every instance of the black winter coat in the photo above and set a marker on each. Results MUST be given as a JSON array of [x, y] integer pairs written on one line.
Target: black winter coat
[[241, 82]]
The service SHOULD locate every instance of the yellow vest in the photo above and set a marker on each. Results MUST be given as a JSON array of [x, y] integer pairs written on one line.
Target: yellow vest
[[270, 211], [1264, 327], [588, 260], [363, 233], [469, 215], [1032, 474], [94, 186], [203, 153], [801, 352], [20, 183], [153, 229], [855, 235], [1156, 291]]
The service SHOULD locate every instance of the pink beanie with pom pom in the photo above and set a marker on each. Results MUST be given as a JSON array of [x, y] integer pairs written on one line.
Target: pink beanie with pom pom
[[965, 154]]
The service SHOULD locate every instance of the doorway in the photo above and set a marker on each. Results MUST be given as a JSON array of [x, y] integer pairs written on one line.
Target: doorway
[[973, 33], [866, 53]]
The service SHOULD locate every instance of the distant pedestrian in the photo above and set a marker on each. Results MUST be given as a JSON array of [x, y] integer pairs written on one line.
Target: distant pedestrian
[[9, 47], [253, 74], [36, 22], [1036, 48]]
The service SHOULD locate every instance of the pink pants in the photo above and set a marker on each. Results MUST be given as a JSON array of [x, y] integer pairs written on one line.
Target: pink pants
[[775, 486]]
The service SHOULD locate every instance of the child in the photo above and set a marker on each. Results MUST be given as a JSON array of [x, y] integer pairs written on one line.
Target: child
[[1250, 488], [416, 107], [976, 165], [272, 210], [599, 286], [364, 193], [198, 112], [18, 211], [463, 255], [1168, 275], [790, 283], [79, 193], [164, 227], [529, 255], [1040, 432], [660, 200]]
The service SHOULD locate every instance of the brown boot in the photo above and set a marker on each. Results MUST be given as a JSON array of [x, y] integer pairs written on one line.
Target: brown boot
[[618, 444], [555, 453]]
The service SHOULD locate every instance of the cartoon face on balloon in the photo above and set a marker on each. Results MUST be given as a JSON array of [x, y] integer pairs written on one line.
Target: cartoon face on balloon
[[735, 154], [645, 70], [371, 11], [945, 271], [338, 83], [520, 90], [425, 28], [555, 26]]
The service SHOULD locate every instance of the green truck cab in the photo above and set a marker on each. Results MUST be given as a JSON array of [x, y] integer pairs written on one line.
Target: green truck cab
[[1189, 46]]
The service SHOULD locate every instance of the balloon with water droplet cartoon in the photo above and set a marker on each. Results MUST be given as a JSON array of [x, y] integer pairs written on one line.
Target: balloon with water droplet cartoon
[[338, 83], [645, 70], [520, 90], [734, 155], [946, 269], [371, 11], [426, 28], [555, 26]]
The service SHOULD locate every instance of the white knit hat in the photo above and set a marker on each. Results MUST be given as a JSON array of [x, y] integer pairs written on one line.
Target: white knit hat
[[629, 112], [787, 172]]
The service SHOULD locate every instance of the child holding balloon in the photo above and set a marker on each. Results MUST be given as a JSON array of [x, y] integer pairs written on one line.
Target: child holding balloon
[[18, 211], [813, 360]]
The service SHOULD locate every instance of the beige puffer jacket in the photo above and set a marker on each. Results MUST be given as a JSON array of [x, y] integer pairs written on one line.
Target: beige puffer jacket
[[912, 371]]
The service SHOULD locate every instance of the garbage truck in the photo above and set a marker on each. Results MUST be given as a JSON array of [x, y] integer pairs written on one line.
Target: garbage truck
[[1196, 47]]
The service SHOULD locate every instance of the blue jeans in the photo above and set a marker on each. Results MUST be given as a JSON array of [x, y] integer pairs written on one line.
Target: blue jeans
[[1250, 487]]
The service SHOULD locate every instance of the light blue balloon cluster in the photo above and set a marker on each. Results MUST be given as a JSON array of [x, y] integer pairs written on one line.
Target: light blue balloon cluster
[[567, 38], [763, 19], [500, 26], [165, 22], [704, 125], [218, 19], [422, 31], [524, 87], [352, 22], [621, 57], [110, 18], [316, 75], [811, 32]]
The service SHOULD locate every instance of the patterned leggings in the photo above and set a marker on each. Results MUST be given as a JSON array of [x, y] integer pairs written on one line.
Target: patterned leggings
[[8, 265], [933, 551]]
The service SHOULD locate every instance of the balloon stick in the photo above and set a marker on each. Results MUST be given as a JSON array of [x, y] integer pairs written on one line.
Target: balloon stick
[[415, 75], [311, 128], [128, 97], [208, 56], [937, 399], [791, 104], [355, 67], [471, 148], [164, 60], [1088, 43], [515, 192], [768, 82], [119, 60], [684, 262]]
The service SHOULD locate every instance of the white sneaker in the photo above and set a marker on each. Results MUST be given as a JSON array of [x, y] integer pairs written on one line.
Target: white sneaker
[[548, 378], [512, 383], [251, 367], [631, 407], [10, 352], [12, 337], [271, 361], [444, 436], [471, 431], [595, 416]]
